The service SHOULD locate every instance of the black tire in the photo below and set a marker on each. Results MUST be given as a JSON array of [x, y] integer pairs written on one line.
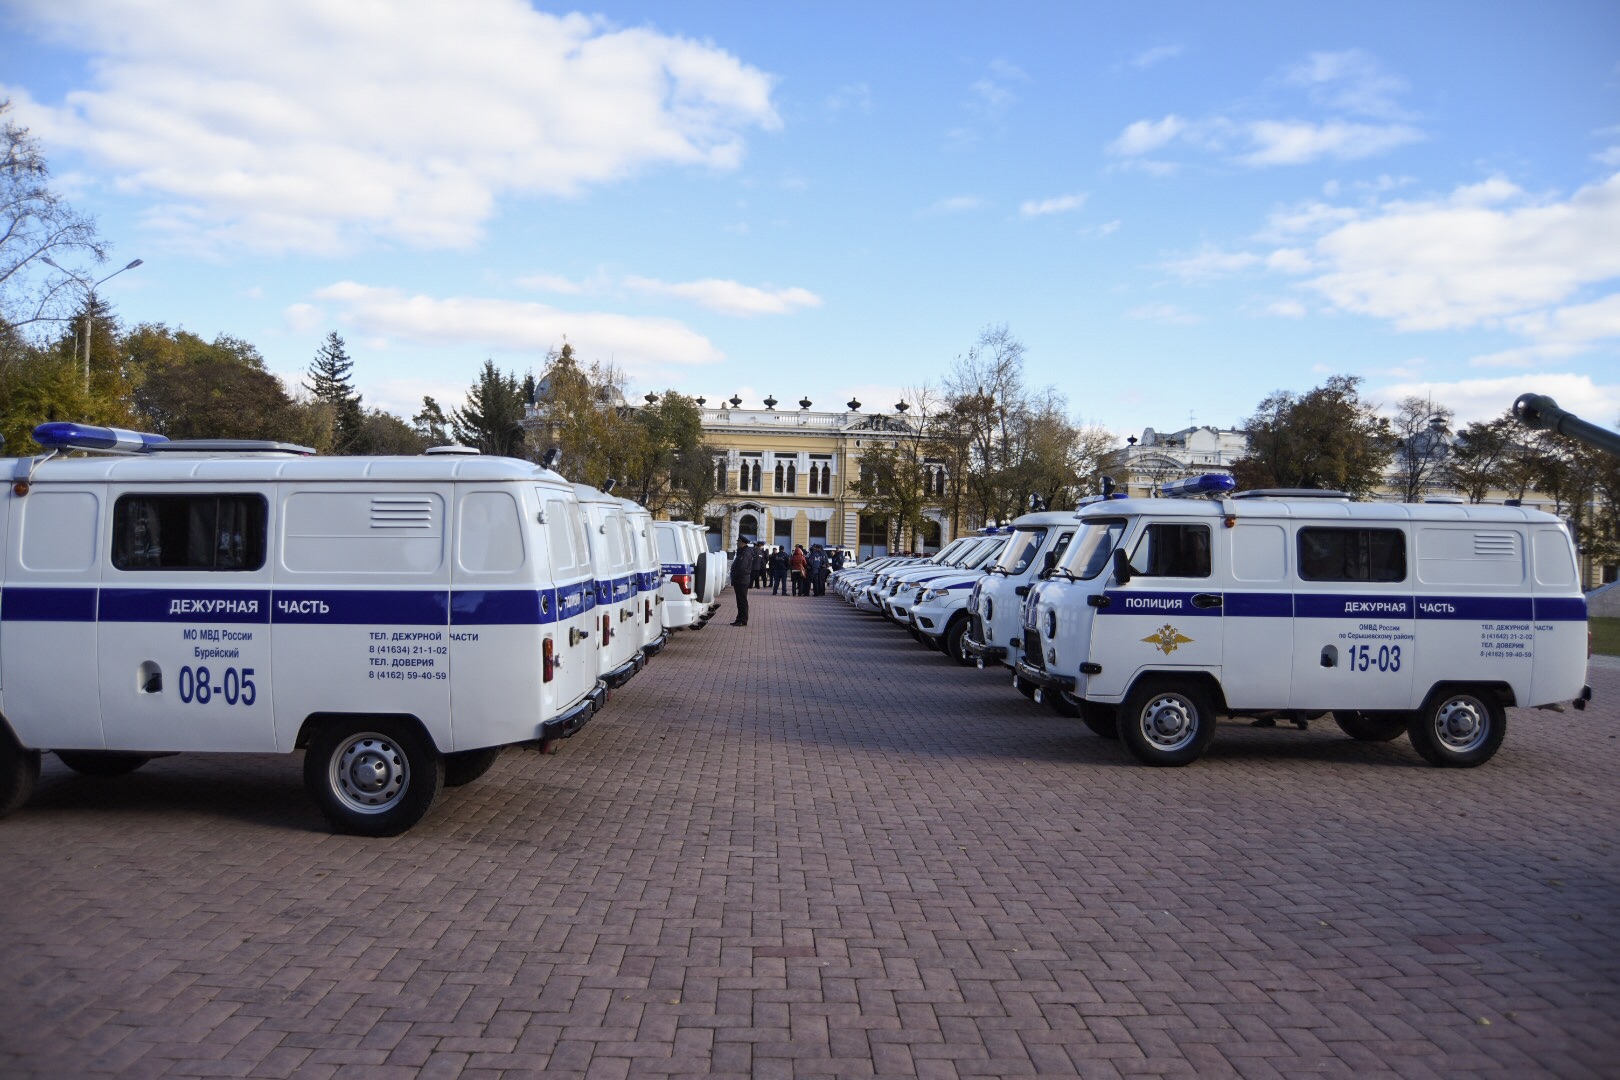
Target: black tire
[[700, 578], [101, 762], [1064, 703], [953, 643], [465, 766], [1103, 720], [1167, 723], [372, 776], [1371, 726], [19, 772], [1459, 727]]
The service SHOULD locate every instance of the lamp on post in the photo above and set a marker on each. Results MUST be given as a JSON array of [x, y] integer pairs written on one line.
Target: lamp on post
[[90, 288]]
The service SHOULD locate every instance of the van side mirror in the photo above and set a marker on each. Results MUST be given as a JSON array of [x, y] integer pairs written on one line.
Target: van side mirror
[[1049, 564], [1122, 566]]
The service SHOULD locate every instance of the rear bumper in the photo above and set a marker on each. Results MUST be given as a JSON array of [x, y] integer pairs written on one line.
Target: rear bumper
[[625, 671], [565, 725], [656, 646]]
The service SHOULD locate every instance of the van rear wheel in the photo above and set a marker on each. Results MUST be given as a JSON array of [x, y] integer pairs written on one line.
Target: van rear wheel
[[101, 762], [1167, 723], [19, 772], [372, 776], [465, 766], [1371, 726], [1458, 728]]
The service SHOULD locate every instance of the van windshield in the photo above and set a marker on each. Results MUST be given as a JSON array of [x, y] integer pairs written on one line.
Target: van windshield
[[1021, 550], [986, 554], [1092, 546]]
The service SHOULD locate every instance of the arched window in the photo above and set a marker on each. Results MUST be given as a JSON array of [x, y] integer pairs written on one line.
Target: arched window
[[792, 479], [779, 479], [720, 475], [826, 479], [815, 480], [939, 487], [757, 478]]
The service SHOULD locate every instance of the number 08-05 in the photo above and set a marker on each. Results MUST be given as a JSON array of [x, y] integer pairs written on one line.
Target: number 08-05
[[235, 687]]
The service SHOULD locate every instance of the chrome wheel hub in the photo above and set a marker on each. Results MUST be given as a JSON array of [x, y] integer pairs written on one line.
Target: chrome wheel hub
[[1169, 722], [1461, 724], [369, 773]]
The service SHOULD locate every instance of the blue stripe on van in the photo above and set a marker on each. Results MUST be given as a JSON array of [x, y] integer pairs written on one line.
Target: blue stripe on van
[[1475, 608], [1560, 609], [361, 606], [1145, 602], [1258, 605], [21, 603], [1340, 606], [185, 605], [503, 607]]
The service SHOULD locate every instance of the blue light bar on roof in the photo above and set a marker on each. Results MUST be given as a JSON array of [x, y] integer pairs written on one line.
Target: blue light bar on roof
[[1208, 484], [64, 435]]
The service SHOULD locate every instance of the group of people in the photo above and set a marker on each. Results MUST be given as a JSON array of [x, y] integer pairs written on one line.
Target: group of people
[[807, 571]]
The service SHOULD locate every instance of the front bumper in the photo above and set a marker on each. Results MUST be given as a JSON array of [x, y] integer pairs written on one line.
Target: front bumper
[[980, 651], [568, 723]]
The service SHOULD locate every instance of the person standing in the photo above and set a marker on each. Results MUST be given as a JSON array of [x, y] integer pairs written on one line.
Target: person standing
[[797, 566], [759, 565], [742, 575], [779, 563], [817, 585]]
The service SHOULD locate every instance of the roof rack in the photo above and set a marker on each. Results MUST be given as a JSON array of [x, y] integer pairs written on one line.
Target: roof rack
[[65, 435], [1290, 493]]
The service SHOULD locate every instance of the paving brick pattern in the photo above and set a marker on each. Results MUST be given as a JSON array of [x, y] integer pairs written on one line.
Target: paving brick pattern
[[812, 849]]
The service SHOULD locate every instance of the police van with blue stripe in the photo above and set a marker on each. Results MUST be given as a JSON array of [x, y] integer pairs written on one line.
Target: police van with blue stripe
[[1426, 620], [400, 619]]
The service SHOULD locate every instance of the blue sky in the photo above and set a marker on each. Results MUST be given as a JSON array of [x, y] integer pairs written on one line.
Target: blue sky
[[1178, 208]]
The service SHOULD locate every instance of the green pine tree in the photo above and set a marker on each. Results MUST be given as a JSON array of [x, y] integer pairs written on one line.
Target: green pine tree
[[329, 383]]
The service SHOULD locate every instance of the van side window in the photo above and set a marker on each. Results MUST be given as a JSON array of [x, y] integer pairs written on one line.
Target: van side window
[[1170, 549], [560, 532], [1340, 554], [189, 532]]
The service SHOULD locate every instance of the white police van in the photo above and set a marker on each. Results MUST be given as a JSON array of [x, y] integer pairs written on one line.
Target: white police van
[[400, 619], [996, 605], [613, 561], [1425, 619], [686, 565], [649, 623]]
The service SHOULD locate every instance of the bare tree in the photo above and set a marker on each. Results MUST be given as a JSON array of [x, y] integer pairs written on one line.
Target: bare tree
[[1419, 429], [36, 228]]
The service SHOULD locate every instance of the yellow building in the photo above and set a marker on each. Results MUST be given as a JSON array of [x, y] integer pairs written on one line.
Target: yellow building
[[782, 476]]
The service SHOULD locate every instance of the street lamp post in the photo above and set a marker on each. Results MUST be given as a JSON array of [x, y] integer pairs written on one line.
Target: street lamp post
[[90, 288]]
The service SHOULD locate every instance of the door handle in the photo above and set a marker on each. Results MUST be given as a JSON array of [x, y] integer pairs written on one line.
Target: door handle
[[1206, 600]]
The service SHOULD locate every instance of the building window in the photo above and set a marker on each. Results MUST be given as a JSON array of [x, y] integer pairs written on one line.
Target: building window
[[826, 479], [720, 475], [792, 479], [779, 488], [874, 537]]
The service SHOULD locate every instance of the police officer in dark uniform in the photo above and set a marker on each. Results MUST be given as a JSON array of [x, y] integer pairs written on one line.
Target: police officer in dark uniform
[[742, 574]]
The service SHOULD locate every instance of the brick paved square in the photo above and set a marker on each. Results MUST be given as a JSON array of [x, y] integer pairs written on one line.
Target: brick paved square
[[811, 848]]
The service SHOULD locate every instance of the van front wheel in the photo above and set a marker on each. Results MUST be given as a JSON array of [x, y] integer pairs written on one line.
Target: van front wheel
[[954, 643], [19, 772], [372, 776], [1458, 728], [1167, 724]]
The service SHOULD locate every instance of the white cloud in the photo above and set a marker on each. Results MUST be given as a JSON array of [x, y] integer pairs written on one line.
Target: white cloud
[[730, 297], [853, 97], [1290, 261], [640, 346], [300, 125], [1486, 399], [1350, 81], [1298, 142], [1286, 309], [955, 204], [1159, 53], [303, 318], [1146, 136], [1165, 313], [1057, 205], [1211, 263], [1469, 261], [1528, 357], [1572, 324]]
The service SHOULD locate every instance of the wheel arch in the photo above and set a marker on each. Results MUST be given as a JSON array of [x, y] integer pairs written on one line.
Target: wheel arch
[[318, 720], [1502, 690], [1205, 680]]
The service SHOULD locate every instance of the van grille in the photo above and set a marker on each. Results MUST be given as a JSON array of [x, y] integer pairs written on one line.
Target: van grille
[[1034, 652], [401, 512], [1495, 545]]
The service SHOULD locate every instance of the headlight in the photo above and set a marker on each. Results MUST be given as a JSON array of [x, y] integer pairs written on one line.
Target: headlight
[[936, 594], [989, 608], [1051, 625]]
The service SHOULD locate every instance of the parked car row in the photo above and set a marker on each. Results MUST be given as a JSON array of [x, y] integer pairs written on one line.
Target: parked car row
[[399, 619], [1150, 619]]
